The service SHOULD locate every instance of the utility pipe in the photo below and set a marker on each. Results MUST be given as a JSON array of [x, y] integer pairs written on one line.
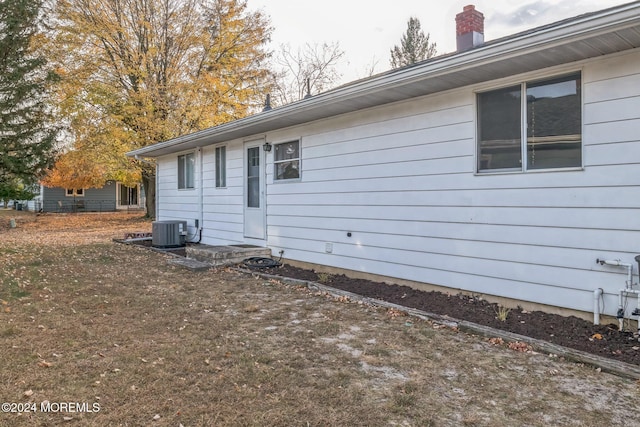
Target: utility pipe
[[597, 294], [626, 291], [618, 263]]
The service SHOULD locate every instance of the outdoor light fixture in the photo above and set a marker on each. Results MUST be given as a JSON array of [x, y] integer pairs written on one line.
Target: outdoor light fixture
[[266, 147]]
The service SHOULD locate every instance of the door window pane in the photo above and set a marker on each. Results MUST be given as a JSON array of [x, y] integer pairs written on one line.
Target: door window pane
[[253, 177]]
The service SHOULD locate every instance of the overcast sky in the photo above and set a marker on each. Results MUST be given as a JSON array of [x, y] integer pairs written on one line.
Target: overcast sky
[[367, 30]]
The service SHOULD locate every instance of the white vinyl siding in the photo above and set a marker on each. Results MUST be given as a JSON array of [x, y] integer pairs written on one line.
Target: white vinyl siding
[[402, 180], [223, 206], [174, 203]]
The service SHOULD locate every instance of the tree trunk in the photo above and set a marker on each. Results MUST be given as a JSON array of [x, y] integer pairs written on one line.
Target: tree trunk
[[149, 184]]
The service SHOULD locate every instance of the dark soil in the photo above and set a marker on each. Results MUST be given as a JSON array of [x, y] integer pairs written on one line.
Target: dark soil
[[147, 243], [572, 332]]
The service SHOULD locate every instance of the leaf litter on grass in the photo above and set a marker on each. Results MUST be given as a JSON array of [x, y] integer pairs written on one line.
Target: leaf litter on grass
[[152, 343]]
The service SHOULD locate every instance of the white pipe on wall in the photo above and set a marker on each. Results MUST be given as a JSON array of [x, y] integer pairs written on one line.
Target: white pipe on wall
[[597, 294], [627, 289]]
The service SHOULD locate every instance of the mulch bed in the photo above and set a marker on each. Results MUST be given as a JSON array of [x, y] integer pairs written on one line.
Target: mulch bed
[[147, 243], [572, 332]]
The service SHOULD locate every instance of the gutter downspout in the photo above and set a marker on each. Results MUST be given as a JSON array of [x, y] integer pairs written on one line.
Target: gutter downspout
[[200, 196]]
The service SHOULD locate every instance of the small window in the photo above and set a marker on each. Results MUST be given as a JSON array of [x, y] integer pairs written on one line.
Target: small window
[[74, 192], [221, 167], [186, 171], [286, 160], [547, 126]]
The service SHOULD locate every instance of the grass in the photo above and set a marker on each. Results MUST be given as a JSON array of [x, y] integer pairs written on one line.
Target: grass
[[324, 278], [154, 344], [502, 313]]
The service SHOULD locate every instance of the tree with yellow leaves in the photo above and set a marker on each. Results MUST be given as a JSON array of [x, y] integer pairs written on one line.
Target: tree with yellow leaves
[[75, 170], [136, 72]]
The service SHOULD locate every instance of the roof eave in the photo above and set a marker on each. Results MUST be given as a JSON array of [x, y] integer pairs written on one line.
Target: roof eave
[[349, 96]]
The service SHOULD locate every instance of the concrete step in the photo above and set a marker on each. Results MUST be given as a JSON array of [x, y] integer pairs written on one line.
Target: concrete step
[[225, 255], [190, 264]]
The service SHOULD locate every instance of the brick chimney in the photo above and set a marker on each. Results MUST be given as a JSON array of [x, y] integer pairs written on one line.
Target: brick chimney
[[469, 28]]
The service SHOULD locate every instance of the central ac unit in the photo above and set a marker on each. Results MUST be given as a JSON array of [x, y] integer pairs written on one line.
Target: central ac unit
[[169, 234]]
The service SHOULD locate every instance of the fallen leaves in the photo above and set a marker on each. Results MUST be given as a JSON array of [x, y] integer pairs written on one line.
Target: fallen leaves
[[44, 364], [520, 346], [393, 313], [513, 345]]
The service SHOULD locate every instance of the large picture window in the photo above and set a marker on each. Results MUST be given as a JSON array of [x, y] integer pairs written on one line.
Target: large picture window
[[286, 160], [186, 171], [542, 119]]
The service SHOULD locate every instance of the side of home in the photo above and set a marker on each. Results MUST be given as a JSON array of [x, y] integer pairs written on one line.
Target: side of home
[[511, 186], [111, 197]]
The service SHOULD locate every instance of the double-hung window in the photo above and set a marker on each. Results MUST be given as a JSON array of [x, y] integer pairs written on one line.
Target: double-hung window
[[221, 167], [74, 192], [542, 119], [286, 160], [186, 171]]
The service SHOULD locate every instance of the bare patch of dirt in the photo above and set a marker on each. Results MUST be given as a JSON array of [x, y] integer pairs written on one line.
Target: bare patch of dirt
[[89, 321], [568, 331]]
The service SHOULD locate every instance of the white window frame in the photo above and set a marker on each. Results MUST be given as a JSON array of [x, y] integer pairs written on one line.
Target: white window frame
[[184, 183], [524, 167], [277, 163], [74, 192]]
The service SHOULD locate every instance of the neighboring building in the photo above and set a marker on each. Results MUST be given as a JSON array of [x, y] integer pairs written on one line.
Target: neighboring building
[[506, 168], [111, 197]]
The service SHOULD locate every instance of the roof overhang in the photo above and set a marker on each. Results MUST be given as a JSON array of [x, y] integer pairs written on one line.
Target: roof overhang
[[588, 36]]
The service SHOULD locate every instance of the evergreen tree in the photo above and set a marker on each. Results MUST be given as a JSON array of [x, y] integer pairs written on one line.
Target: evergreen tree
[[414, 46], [27, 139]]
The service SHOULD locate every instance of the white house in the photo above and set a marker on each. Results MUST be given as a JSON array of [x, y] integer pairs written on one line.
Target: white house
[[506, 168]]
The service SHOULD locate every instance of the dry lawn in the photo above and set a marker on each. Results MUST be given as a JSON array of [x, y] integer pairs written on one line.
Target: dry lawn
[[88, 321]]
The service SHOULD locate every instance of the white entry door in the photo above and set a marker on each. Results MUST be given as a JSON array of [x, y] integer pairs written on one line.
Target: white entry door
[[254, 185]]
